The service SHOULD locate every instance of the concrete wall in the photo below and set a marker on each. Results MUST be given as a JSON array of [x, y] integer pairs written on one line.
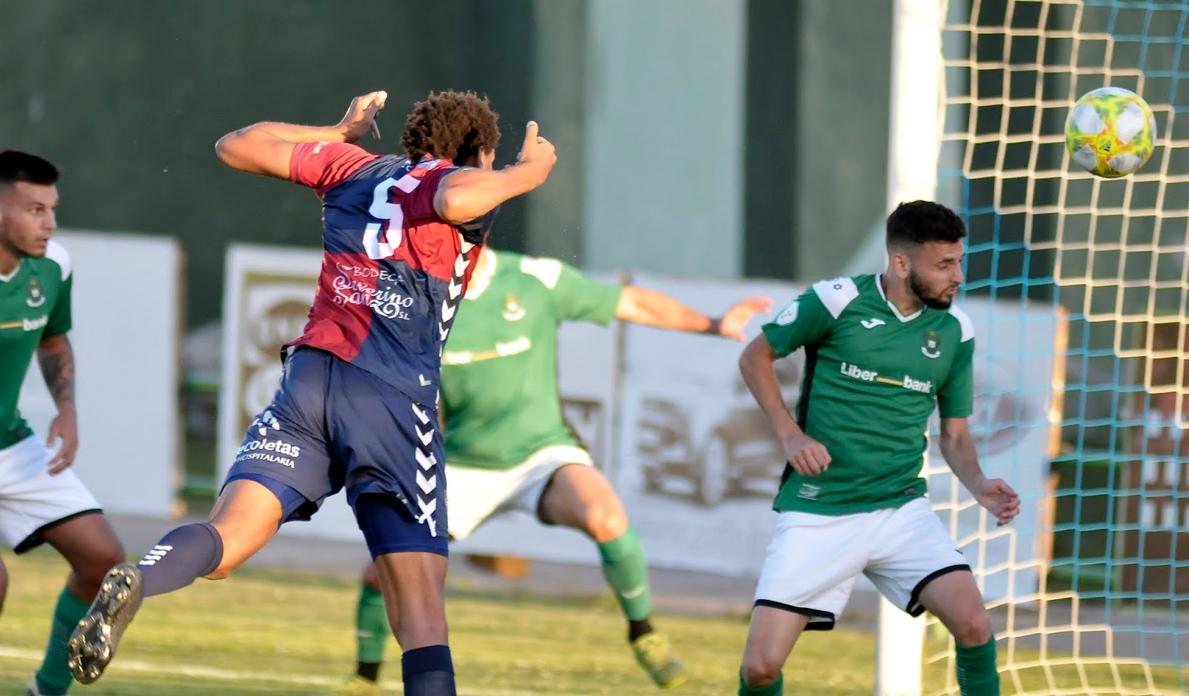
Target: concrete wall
[[664, 111], [129, 98], [842, 129]]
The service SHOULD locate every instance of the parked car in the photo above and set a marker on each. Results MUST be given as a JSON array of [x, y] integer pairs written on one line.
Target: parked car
[[717, 441]]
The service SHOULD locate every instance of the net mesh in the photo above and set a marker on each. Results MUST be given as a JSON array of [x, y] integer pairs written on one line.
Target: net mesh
[[1085, 594]]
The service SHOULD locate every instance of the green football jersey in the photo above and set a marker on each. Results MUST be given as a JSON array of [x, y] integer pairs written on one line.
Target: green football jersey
[[499, 386], [34, 303], [872, 378]]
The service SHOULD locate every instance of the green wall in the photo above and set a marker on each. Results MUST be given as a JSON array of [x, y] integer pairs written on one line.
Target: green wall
[[843, 90], [129, 97]]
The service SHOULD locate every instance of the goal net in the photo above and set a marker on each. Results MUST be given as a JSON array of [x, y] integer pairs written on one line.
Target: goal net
[[1089, 593]]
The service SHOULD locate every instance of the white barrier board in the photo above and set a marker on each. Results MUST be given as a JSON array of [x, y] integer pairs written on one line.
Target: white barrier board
[[126, 325]]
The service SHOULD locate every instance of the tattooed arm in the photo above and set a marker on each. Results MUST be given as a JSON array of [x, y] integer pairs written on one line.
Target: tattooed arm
[[57, 366]]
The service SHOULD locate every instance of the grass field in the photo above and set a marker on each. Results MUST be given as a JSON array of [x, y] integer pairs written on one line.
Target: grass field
[[267, 632], [273, 633]]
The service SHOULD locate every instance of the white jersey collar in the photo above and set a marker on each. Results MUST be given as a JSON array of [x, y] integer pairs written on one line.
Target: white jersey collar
[[892, 306], [5, 278]]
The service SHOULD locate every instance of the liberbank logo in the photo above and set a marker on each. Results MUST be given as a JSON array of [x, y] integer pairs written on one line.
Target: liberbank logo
[[27, 324], [855, 372]]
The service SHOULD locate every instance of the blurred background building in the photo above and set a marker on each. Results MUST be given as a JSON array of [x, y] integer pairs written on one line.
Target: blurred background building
[[720, 138]]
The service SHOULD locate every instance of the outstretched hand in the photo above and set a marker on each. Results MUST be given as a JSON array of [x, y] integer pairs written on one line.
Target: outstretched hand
[[734, 319], [536, 150], [361, 116]]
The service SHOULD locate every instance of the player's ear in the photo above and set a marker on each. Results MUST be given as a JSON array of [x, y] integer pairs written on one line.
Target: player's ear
[[899, 261]]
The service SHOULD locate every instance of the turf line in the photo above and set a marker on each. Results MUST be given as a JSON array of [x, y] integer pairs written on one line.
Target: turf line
[[10, 652]]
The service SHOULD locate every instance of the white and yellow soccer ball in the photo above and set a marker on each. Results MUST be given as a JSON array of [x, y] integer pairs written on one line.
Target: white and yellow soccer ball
[[1110, 132]]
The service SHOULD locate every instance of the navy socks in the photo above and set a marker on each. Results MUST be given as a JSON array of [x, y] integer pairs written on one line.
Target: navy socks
[[182, 556], [428, 671]]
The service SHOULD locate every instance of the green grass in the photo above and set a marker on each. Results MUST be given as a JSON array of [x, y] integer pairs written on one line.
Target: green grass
[[272, 632], [1026, 675], [291, 633]]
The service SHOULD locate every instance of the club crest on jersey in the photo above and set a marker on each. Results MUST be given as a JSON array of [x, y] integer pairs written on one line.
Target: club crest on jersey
[[931, 348], [36, 296], [513, 310]]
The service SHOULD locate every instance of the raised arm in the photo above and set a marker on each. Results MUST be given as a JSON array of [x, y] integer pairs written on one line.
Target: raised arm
[[468, 193], [56, 358], [266, 148], [806, 455], [651, 308], [957, 446]]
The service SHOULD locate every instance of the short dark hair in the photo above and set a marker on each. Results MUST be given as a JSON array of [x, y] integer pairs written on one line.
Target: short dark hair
[[917, 222], [453, 125], [21, 166]]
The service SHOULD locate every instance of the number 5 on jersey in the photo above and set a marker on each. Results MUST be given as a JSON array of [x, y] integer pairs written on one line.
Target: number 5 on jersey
[[382, 209]]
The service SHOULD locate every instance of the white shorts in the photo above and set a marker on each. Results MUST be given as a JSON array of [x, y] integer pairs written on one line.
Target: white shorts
[[474, 495], [813, 560], [32, 501]]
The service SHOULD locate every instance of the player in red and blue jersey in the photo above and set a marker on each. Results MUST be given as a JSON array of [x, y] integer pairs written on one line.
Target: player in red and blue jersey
[[357, 405]]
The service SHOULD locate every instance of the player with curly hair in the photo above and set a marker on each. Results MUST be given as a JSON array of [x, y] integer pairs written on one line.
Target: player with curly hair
[[357, 404]]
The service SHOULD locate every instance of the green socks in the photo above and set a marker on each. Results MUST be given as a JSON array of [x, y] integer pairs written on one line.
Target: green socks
[[371, 625], [977, 672], [54, 679], [627, 574], [776, 688]]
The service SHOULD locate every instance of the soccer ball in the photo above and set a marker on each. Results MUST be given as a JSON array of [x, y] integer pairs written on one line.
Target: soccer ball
[[1109, 132]]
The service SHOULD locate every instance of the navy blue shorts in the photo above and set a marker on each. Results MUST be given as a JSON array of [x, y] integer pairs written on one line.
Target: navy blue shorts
[[333, 425]]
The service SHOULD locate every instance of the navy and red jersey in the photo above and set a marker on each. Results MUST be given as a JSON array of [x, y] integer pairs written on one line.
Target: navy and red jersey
[[393, 272]]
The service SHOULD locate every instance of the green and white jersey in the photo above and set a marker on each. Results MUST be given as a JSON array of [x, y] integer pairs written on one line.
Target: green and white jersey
[[34, 303], [499, 386], [872, 378]]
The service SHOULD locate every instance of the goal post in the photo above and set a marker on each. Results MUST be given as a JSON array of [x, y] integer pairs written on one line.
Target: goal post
[[913, 146]]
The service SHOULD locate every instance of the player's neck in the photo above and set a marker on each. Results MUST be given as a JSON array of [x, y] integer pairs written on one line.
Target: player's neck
[[899, 294], [9, 260]]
